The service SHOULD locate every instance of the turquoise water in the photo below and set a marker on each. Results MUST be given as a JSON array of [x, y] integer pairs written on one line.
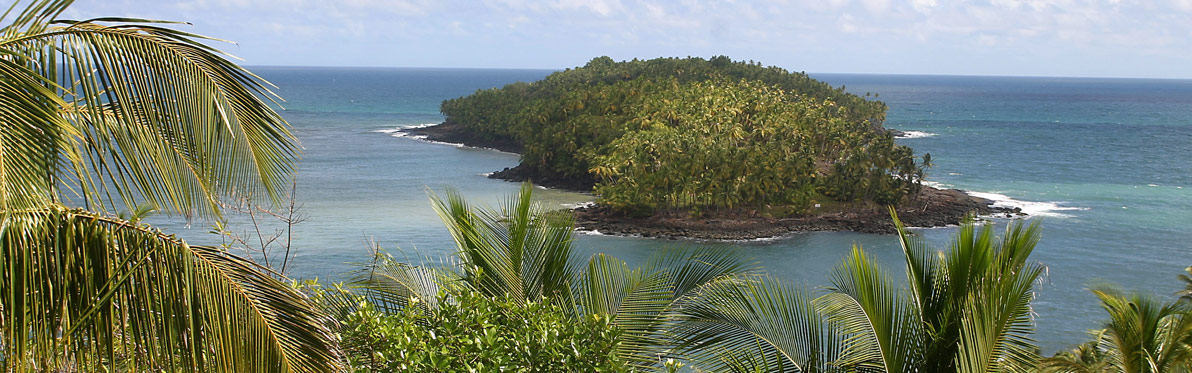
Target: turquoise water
[[1106, 163]]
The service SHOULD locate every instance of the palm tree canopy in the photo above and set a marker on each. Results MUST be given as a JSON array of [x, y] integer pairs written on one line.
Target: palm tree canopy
[[114, 113], [111, 113], [1144, 334], [83, 290]]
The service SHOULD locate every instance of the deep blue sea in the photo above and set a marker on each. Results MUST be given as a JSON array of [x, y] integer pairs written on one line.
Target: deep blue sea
[[1105, 163]]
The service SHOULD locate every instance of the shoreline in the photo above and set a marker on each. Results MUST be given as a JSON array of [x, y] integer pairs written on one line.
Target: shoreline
[[933, 207]]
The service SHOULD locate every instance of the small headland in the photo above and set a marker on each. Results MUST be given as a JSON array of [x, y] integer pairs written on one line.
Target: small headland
[[931, 207]]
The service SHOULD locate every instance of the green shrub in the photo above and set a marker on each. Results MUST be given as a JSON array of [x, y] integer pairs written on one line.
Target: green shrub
[[470, 332]]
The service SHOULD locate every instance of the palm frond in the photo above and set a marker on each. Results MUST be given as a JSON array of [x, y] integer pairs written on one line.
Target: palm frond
[[882, 328], [158, 116], [520, 250], [87, 291], [1144, 334], [1085, 358], [735, 315], [391, 285], [635, 298]]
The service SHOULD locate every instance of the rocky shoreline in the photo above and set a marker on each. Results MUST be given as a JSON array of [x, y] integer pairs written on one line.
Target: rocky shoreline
[[931, 208]]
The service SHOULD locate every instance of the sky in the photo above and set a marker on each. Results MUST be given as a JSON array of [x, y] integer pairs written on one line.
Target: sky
[[1096, 38]]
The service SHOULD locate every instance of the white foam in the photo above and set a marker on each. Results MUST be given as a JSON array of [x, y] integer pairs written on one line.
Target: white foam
[[424, 125], [936, 184], [759, 239], [589, 232], [914, 134], [574, 206], [400, 132], [1031, 208]]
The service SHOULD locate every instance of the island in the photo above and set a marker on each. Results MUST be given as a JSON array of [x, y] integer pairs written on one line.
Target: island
[[706, 148]]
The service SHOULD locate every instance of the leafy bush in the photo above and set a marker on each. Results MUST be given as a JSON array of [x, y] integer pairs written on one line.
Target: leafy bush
[[470, 332]]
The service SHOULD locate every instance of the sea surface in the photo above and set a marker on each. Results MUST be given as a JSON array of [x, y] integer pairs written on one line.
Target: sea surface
[[1106, 164]]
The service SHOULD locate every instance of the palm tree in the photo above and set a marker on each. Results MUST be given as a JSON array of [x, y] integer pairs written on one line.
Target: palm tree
[[1086, 358], [115, 113], [965, 310], [1186, 294], [525, 252], [1143, 335]]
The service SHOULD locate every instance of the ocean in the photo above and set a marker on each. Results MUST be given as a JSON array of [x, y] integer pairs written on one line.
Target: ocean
[[1106, 164]]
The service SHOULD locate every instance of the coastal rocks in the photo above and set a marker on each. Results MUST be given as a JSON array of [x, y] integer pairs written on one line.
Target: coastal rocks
[[522, 173], [456, 134], [930, 208]]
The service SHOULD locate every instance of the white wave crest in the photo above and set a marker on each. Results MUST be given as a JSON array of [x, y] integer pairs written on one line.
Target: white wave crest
[[937, 185], [400, 132], [1031, 208], [589, 232], [573, 206], [914, 134]]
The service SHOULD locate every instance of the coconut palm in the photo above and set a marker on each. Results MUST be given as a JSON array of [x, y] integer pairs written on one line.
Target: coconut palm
[[967, 310], [1143, 334], [1086, 358], [1186, 294], [524, 251], [115, 113]]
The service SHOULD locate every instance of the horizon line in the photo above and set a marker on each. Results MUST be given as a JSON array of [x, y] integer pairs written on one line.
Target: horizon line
[[800, 71]]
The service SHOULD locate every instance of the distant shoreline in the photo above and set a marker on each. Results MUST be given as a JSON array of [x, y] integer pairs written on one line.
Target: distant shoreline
[[931, 208]]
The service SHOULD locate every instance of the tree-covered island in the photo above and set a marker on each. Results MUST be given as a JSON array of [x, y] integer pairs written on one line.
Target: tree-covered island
[[708, 148]]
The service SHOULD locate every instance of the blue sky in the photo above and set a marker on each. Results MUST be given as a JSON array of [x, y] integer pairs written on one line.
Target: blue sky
[[1104, 38]]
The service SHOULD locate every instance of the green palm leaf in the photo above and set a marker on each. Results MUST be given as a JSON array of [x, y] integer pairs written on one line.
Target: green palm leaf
[[144, 113], [755, 322], [882, 329], [521, 250], [83, 291], [1144, 334]]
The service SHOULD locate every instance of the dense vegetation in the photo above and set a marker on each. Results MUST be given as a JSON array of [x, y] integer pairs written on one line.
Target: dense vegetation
[[472, 332], [965, 308], [696, 134]]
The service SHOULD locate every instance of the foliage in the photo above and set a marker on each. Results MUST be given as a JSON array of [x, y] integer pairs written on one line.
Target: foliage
[[86, 292], [1142, 335], [520, 250], [524, 252], [1186, 294], [964, 310], [115, 113], [696, 134], [528, 249], [471, 332], [141, 112]]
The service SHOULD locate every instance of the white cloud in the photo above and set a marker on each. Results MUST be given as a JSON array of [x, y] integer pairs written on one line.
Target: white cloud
[[923, 6], [647, 28]]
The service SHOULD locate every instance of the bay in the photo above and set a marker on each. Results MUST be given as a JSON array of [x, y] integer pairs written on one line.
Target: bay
[[1106, 164]]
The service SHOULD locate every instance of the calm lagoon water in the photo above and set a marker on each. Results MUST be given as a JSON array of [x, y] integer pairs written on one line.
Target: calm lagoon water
[[1105, 163]]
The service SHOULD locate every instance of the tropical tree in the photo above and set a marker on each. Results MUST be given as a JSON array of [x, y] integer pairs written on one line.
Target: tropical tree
[[117, 113], [524, 251], [1143, 335], [1086, 358], [965, 310], [1186, 294]]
